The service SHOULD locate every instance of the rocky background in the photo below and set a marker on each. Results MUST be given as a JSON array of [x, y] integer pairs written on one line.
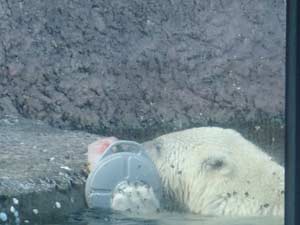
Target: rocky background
[[137, 69]]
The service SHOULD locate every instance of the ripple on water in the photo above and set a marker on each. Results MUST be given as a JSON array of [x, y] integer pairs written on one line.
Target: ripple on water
[[98, 217]]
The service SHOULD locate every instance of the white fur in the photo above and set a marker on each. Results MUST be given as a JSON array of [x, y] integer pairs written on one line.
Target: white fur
[[209, 171], [215, 171]]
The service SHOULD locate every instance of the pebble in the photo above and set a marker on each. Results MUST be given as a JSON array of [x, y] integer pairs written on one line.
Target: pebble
[[257, 128], [66, 168], [26, 221], [35, 211]]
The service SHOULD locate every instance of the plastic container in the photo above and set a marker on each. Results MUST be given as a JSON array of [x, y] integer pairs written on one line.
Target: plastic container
[[123, 161]]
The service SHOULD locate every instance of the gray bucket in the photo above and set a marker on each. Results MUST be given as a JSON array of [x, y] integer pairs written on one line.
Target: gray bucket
[[123, 161]]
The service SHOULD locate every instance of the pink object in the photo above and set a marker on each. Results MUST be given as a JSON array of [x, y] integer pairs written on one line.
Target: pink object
[[96, 149]]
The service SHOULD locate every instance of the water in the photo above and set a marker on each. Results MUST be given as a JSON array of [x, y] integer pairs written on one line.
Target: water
[[96, 217]]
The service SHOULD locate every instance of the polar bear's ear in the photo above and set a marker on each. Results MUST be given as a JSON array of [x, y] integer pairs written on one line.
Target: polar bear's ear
[[154, 149]]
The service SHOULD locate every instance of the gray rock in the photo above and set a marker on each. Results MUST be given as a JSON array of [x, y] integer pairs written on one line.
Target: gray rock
[[43, 168], [137, 68]]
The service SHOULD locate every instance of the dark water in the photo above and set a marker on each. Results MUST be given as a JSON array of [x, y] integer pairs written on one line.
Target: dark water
[[96, 217]]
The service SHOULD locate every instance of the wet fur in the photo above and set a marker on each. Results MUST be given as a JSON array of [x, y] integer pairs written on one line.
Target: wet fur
[[215, 171], [208, 171]]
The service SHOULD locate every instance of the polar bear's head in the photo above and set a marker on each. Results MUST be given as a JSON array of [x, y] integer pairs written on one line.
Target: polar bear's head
[[215, 171]]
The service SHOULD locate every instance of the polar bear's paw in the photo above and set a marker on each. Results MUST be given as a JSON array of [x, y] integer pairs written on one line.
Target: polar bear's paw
[[136, 198]]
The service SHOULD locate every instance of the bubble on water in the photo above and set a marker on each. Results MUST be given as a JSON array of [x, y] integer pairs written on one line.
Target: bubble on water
[[16, 214], [35, 211], [15, 201], [57, 205], [3, 217], [12, 209], [26, 221], [17, 220]]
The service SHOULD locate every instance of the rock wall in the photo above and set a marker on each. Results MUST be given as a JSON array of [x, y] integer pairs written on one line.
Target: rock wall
[[134, 68], [42, 171]]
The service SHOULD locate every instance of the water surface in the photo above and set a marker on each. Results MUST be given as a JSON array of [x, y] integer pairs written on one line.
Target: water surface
[[96, 217]]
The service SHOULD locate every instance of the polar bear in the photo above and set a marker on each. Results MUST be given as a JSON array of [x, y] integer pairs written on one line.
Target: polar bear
[[208, 171]]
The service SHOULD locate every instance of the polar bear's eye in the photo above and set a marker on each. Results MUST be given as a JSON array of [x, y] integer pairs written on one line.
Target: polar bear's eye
[[213, 164], [217, 164]]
